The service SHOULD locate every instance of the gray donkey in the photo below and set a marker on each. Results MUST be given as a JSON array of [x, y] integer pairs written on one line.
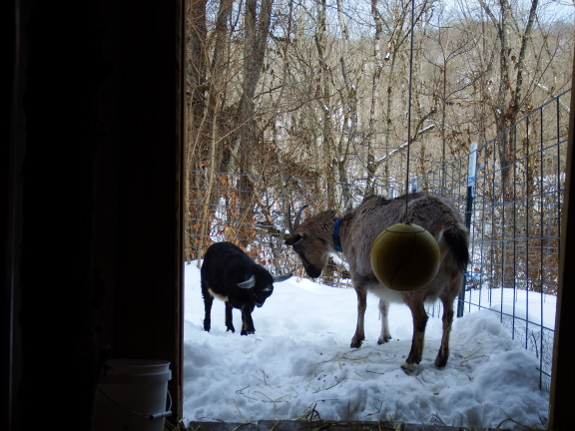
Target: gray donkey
[[318, 236]]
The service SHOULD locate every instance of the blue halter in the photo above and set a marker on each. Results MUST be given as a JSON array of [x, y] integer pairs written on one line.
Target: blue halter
[[336, 240]]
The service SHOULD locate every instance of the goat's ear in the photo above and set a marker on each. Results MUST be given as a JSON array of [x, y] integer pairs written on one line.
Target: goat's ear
[[294, 239]]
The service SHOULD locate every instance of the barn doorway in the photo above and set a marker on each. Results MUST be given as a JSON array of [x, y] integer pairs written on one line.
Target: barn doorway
[[239, 160]]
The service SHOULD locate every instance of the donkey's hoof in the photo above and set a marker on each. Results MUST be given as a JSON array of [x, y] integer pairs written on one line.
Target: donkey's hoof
[[440, 362], [383, 339], [411, 369], [407, 367]]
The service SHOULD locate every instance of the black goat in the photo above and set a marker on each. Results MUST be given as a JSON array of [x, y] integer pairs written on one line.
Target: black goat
[[232, 276]]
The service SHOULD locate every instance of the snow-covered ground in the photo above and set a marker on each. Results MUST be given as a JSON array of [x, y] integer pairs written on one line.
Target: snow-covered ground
[[537, 308], [299, 362]]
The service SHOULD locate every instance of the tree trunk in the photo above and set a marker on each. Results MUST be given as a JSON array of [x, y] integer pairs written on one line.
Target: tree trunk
[[256, 33]]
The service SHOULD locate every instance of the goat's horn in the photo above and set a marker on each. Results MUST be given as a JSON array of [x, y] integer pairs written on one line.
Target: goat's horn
[[278, 278], [249, 283]]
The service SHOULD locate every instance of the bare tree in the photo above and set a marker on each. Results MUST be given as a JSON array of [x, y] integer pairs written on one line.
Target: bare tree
[[448, 86], [256, 34], [511, 96], [318, 91]]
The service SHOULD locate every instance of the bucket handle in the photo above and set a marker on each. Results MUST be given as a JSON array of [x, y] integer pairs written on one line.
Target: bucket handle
[[151, 417]]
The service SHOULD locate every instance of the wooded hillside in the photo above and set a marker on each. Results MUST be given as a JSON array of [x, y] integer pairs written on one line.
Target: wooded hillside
[[282, 92]]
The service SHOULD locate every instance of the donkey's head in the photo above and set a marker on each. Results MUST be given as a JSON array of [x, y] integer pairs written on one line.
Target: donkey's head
[[312, 240]]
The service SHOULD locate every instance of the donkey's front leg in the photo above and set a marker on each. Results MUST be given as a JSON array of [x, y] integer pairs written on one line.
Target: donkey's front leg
[[384, 336], [419, 323], [359, 335]]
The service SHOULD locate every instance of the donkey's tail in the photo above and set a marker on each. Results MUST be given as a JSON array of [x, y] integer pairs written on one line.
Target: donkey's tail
[[454, 240]]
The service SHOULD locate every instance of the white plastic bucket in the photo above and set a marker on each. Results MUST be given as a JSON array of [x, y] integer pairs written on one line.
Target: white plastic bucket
[[133, 396]]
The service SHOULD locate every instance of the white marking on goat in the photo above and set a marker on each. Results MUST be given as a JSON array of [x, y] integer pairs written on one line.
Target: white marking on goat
[[217, 295]]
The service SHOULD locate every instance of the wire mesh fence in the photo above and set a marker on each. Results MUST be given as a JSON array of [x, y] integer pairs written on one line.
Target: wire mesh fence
[[513, 210], [511, 197]]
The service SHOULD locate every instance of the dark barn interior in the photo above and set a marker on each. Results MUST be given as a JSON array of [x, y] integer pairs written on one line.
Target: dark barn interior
[[94, 259], [92, 196]]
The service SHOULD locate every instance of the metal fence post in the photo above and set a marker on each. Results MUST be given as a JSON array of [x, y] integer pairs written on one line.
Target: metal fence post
[[471, 170]]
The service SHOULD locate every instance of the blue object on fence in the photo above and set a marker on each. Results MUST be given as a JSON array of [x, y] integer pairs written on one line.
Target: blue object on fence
[[471, 172], [471, 169]]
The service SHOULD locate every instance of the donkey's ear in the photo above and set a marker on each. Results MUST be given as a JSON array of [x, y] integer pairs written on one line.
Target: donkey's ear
[[294, 239]]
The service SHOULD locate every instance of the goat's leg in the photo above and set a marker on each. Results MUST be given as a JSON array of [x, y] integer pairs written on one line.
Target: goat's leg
[[247, 322], [419, 322], [384, 337], [208, 301], [229, 319], [443, 353], [359, 335]]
